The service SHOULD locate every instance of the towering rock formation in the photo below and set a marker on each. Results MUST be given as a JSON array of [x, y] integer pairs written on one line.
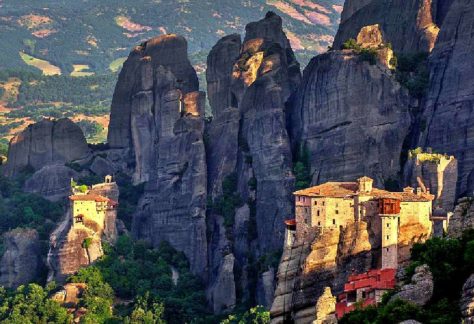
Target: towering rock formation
[[157, 120], [249, 85], [46, 143], [408, 25], [352, 116], [21, 262], [450, 100]]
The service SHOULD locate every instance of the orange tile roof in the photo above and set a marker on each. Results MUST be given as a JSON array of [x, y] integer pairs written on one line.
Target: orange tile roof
[[96, 198], [350, 189]]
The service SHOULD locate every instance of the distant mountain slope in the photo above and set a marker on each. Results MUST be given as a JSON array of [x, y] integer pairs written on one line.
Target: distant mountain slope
[[83, 36]]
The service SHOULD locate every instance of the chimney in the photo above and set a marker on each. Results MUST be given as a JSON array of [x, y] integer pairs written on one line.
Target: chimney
[[418, 191]]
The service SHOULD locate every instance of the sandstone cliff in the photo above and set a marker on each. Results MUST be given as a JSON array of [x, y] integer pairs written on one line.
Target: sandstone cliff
[[46, 143], [352, 116], [450, 99], [249, 84], [157, 123], [21, 261], [408, 25]]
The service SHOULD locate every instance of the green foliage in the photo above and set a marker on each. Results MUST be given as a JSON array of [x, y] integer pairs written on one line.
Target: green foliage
[[269, 260], [256, 315], [134, 270], [30, 304], [230, 199], [129, 197], [87, 242], [6, 128], [20, 209], [351, 44], [92, 130], [413, 73], [368, 55], [451, 262], [302, 168], [146, 311]]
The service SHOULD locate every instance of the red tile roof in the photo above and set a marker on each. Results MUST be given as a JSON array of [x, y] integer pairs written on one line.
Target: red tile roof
[[96, 198]]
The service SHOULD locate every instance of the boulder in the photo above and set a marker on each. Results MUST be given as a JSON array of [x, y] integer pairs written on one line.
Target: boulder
[[21, 262], [47, 142], [420, 290], [52, 182]]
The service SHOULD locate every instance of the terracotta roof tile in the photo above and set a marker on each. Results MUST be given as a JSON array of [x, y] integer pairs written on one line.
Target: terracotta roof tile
[[96, 198], [349, 189]]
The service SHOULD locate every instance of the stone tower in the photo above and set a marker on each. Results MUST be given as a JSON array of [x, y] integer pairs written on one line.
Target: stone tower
[[389, 211]]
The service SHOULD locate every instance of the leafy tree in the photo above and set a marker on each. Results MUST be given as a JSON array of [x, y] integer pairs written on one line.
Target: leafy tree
[[30, 304], [256, 315]]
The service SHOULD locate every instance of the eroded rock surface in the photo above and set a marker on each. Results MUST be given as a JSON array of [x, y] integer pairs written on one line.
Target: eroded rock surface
[[21, 261], [450, 99], [249, 84], [467, 301], [462, 219], [46, 143], [420, 290], [408, 25], [157, 121], [353, 118], [53, 182]]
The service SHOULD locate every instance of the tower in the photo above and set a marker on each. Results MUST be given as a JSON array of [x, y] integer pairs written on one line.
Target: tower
[[389, 212]]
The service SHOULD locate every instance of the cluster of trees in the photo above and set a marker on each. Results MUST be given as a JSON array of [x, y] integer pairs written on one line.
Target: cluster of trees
[[451, 261], [134, 271], [91, 129], [20, 209]]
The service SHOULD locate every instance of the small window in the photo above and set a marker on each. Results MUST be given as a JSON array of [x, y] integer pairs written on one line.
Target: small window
[[319, 223], [337, 212], [334, 222], [319, 213], [388, 224], [387, 249], [323, 203], [315, 203], [388, 237]]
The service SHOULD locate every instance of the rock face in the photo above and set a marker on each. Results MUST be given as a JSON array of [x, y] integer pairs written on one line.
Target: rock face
[[408, 25], [157, 121], [141, 73], [467, 301], [352, 117], [21, 261], [223, 286], [309, 267], [420, 290], [46, 143], [450, 99], [53, 182], [326, 308], [249, 84], [462, 219]]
